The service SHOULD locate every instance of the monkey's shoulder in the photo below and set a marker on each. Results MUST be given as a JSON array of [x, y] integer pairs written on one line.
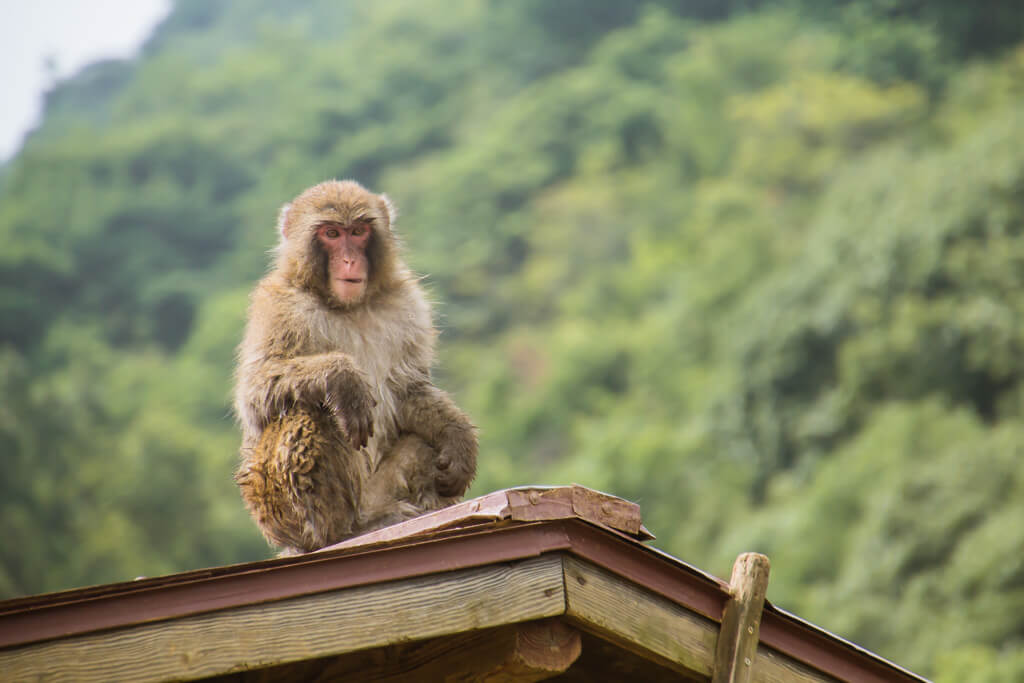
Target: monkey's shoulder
[[276, 292], [277, 309]]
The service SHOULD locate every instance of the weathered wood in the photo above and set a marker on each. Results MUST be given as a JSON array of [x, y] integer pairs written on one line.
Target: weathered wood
[[520, 653], [301, 628], [643, 622], [658, 629], [775, 667], [536, 504], [602, 660], [736, 651], [540, 650]]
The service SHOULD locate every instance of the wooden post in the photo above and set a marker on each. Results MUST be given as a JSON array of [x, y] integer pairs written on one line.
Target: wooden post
[[741, 620]]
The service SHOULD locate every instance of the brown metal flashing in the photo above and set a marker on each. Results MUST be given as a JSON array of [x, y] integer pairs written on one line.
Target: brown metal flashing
[[271, 580], [430, 549], [521, 504], [827, 652], [658, 572], [75, 612], [708, 595], [492, 507], [566, 502]]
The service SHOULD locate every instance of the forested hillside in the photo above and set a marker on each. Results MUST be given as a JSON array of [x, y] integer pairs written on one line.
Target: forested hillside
[[758, 266]]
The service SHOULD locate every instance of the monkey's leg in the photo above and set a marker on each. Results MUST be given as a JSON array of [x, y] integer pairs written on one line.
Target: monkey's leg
[[432, 414], [301, 482], [403, 486]]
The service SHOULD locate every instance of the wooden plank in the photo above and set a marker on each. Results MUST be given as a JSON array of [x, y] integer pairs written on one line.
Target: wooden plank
[[660, 630], [603, 660], [300, 628], [741, 621], [640, 621], [774, 667], [539, 650], [520, 653]]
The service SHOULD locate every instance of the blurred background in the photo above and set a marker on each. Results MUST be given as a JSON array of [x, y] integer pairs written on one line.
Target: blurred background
[[755, 265]]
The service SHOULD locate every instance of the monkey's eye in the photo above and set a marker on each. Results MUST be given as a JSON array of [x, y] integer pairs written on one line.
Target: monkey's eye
[[358, 230], [332, 233]]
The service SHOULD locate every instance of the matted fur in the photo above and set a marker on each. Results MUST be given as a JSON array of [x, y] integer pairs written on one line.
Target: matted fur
[[313, 370]]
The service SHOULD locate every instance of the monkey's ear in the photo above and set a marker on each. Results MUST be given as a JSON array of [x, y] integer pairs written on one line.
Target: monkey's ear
[[282, 220], [388, 210]]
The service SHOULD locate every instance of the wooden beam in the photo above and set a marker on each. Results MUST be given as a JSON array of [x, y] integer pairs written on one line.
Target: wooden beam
[[660, 630], [539, 650], [643, 622], [520, 653], [302, 628], [741, 621], [774, 667]]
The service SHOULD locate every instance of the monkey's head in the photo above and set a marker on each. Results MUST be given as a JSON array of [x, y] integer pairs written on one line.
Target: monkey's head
[[337, 241]]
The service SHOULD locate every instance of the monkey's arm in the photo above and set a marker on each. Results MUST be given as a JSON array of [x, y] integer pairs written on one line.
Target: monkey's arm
[[431, 414], [271, 386]]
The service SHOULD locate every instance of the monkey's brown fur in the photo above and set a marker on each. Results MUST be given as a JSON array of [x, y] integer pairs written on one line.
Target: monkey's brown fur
[[318, 377]]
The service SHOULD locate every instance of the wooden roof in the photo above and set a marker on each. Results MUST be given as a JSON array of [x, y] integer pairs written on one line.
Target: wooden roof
[[524, 584]]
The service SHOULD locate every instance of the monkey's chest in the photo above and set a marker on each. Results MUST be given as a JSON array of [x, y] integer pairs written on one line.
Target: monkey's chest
[[385, 351], [379, 367]]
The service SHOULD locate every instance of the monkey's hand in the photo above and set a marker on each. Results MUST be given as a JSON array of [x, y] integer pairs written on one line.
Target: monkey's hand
[[348, 396], [456, 459]]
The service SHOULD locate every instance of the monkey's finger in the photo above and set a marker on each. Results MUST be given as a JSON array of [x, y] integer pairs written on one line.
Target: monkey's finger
[[448, 484], [351, 429], [365, 432]]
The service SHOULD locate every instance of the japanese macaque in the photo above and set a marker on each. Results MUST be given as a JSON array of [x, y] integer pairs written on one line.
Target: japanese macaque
[[342, 429]]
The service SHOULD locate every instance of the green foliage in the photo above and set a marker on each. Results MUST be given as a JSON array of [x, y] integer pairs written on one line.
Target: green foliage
[[755, 265]]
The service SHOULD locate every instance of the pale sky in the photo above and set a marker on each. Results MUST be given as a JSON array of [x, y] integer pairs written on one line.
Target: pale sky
[[74, 33]]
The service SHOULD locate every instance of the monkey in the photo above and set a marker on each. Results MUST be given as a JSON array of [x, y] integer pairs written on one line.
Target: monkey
[[343, 429]]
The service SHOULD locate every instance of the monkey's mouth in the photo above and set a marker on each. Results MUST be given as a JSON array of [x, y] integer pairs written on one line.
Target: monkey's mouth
[[351, 280]]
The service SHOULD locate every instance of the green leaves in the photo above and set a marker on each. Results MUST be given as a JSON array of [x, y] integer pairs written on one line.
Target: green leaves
[[758, 270]]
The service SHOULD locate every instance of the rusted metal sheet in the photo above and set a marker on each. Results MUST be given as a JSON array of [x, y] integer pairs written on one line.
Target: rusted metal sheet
[[521, 504], [563, 502], [827, 652], [492, 507]]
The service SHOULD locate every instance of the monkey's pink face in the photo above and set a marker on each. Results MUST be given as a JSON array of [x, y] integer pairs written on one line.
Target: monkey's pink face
[[348, 266]]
